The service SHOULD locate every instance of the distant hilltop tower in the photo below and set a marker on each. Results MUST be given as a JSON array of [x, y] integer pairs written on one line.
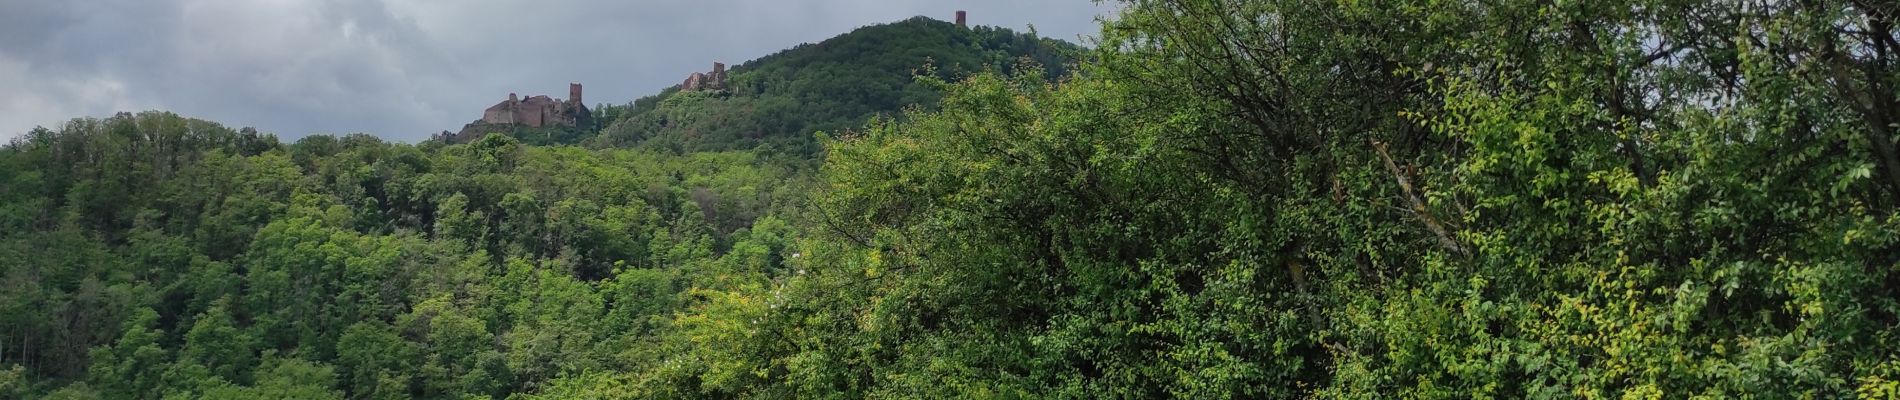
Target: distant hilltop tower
[[963, 19], [715, 80], [574, 93]]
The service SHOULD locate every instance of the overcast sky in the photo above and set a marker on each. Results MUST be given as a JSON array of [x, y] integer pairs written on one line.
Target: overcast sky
[[403, 69]]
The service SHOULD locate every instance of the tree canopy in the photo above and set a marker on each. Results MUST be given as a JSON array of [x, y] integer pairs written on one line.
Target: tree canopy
[[1223, 199]]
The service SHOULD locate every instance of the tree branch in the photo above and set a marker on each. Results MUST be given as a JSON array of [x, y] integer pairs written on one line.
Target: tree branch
[[1445, 238]]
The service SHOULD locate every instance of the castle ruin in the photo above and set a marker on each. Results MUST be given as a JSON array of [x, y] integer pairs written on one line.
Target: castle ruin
[[716, 80], [539, 111], [534, 112]]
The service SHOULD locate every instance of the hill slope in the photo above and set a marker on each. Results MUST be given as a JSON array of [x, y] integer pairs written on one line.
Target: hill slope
[[837, 84], [1290, 211]]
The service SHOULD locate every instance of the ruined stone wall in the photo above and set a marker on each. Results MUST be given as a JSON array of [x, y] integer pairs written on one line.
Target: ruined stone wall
[[498, 116], [716, 80], [534, 112], [501, 113], [693, 82]]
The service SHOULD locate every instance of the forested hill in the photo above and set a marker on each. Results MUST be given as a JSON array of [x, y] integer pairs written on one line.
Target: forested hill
[[155, 256], [834, 85], [1414, 199]]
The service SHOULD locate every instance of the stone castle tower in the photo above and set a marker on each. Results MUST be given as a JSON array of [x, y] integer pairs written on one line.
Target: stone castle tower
[[716, 80], [963, 19]]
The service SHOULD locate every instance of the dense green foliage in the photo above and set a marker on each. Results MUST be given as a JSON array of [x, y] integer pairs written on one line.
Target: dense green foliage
[[155, 256], [529, 135], [779, 100], [1258, 199]]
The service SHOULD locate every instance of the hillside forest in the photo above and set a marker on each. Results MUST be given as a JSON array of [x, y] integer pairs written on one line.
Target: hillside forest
[[1212, 199]]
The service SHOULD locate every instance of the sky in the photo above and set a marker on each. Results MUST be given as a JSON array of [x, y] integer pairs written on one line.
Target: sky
[[404, 69]]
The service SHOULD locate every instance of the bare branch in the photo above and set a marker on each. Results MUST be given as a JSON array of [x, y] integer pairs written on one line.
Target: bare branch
[[1445, 238]]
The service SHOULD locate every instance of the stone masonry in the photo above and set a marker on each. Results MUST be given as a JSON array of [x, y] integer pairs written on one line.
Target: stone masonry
[[539, 111], [534, 112], [716, 80]]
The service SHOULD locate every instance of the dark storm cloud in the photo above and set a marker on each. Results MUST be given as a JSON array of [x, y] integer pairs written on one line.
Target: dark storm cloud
[[402, 69]]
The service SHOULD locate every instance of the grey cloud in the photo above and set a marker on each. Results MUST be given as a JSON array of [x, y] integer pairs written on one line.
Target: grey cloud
[[402, 69]]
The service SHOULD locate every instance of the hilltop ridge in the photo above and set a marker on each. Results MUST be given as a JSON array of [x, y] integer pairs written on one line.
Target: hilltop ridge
[[780, 99]]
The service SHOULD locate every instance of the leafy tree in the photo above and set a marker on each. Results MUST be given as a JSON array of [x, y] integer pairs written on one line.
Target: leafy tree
[[284, 378], [374, 363], [218, 345], [133, 366]]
